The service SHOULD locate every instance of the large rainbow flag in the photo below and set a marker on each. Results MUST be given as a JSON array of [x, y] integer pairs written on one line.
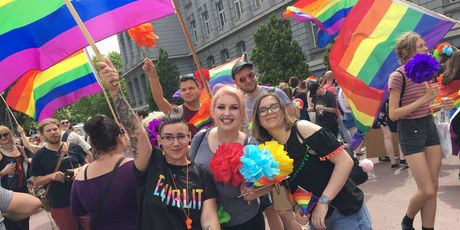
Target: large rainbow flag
[[38, 34], [202, 118], [40, 93], [328, 15], [363, 56]]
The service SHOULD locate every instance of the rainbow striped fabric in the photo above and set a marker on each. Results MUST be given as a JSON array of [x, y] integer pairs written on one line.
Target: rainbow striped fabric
[[328, 15], [306, 200], [38, 34], [363, 56], [39, 94], [202, 118]]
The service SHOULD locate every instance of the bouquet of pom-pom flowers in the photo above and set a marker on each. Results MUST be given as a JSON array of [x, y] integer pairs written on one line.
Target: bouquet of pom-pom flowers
[[257, 165]]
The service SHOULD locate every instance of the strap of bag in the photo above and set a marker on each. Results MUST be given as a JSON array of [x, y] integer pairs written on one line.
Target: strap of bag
[[61, 156], [403, 86], [103, 196]]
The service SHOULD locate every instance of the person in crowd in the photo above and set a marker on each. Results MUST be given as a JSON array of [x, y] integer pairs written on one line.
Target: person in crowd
[[325, 107], [302, 93], [173, 193], [54, 167], [190, 93], [29, 143], [229, 113], [315, 151], [287, 90], [107, 185], [13, 174], [245, 79], [16, 206], [68, 135], [417, 133], [348, 119], [294, 84]]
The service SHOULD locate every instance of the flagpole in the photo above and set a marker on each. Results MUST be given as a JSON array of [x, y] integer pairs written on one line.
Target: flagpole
[[192, 48], [91, 42], [432, 12], [7, 107]]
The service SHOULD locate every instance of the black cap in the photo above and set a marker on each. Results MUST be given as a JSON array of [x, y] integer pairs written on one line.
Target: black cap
[[238, 66], [313, 86]]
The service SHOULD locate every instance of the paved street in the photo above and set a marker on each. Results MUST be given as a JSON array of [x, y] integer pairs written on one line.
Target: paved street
[[387, 196]]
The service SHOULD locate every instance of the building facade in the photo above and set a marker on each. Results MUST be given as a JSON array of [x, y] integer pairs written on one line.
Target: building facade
[[223, 29]]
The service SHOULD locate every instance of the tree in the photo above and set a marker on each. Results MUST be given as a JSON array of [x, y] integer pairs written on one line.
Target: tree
[[168, 74], [276, 55], [326, 56]]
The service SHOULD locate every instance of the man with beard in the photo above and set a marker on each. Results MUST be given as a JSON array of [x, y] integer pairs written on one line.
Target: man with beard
[[246, 80], [69, 136], [66, 157], [190, 93]]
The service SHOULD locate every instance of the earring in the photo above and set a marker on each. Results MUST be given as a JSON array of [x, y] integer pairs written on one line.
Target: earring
[[161, 146], [189, 142]]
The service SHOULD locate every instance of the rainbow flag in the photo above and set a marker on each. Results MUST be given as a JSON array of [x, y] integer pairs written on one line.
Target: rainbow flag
[[40, 93], [38, 34], [305, 199], [364, 56], [328, 15], [202, 118]]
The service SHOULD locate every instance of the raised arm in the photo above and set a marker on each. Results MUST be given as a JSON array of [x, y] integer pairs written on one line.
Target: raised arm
[[138, 137], [155, 87], [25, 140]]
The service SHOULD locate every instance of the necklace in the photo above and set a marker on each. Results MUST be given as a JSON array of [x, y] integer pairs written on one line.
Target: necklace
[[188, 220]]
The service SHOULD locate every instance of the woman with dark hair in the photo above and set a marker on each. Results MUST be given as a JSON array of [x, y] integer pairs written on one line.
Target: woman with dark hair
[[409, 103], [107, 185], [321, 166], [13, 172]]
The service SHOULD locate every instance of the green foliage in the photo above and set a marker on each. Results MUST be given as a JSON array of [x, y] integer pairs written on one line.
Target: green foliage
[[168, 74], [326, 56], [276, 55]]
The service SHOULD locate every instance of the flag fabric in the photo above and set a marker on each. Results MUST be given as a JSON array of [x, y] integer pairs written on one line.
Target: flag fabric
[[328, 15], [202, 118], [364, 56], [40, 93], [306, 200], [219, 74], [38, 34]]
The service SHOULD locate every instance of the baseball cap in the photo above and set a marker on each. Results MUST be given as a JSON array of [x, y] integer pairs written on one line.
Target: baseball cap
[[238, 66], [313, 87]]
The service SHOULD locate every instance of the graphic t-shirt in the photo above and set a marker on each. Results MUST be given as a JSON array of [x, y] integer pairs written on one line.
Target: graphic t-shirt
[[163, 197]]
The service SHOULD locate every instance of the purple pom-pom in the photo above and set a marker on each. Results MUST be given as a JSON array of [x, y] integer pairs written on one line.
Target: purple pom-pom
[[421, 68], [153, 129]]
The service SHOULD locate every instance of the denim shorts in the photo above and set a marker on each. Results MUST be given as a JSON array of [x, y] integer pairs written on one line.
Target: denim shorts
[[416, 134], [348, 120], [361, 220]]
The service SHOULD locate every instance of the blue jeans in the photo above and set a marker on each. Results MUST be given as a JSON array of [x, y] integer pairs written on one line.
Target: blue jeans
[[361, 220]]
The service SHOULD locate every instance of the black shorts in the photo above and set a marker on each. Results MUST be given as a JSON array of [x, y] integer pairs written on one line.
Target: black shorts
[[416, 134]]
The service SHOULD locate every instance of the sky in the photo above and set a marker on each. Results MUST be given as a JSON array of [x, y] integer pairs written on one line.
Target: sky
[[106, 46]]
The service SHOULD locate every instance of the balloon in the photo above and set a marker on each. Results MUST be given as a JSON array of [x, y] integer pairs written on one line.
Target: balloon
[[367, 165]]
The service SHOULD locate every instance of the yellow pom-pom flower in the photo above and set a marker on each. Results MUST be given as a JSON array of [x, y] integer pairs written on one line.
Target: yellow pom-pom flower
[[280, 156]]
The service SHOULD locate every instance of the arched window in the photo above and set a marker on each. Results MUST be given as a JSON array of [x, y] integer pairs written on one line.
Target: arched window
[[240, 48], [224, 55], [211, 62], [137, 92]]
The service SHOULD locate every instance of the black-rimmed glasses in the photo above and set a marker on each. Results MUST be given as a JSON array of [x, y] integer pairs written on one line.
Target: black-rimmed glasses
[[181, 138], [263, 111]]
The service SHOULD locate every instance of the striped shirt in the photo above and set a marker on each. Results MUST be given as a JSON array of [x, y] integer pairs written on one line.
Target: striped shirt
[[412, 92]]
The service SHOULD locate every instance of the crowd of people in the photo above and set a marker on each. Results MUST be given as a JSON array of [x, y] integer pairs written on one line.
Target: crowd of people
[[122, 176]]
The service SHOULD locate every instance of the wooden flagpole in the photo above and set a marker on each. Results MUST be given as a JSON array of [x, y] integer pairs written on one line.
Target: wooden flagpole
[[91, 42], [192, 48], [8, 108]]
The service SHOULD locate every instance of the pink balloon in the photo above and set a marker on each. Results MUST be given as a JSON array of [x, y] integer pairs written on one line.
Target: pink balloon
[[367, 165]]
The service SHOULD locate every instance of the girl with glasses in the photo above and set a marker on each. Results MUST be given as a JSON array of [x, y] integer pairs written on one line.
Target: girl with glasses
[[321, 166]]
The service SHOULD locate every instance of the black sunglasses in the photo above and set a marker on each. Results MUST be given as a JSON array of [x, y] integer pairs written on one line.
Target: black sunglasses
[[4, 135]]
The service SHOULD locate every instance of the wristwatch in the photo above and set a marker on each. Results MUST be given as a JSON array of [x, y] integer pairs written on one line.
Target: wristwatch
[[324, 199]]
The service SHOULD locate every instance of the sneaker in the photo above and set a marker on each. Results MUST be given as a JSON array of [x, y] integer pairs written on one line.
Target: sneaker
[[403, 164], [395, 166], [385, 158]]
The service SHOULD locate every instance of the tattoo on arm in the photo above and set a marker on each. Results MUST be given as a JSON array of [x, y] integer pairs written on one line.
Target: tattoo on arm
[[127, 117]]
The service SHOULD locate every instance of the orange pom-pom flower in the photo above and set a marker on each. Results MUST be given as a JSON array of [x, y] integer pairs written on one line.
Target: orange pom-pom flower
[[143, 35]]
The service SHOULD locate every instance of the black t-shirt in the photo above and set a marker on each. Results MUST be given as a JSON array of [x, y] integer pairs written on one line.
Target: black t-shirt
[[43, 163], [303, 112], [324, 118], [315, 173], [160, 203]]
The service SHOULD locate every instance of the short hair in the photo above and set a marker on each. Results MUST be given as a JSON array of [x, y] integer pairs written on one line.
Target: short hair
[[142, 113], [259, 132], [234, 92], [184, 78], [294, 82], [46, 122], [5, 129], [286, 89], [172, 118], [406, 46], [103, 132]]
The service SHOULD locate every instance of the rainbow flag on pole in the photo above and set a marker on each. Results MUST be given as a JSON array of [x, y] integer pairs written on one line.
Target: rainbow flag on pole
[[328, 15], [40, 93], [364, 56], [305, 199], [38, 34]]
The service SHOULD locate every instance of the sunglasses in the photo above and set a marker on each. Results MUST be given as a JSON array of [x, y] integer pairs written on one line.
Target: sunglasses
[[4, 135], [250, 76], [64, 122]]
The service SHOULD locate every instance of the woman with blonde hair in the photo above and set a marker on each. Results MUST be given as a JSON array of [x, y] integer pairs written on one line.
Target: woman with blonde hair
[[409, 103]]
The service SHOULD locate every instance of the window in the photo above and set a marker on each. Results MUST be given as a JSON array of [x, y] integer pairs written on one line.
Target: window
[[194, 32], [137, 92], [238, 9], [240, 48], [211, 62], [145, 89], [207, 25], [221, 13], [257, 3], [131, 93], [314, 32], [224, 55]]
